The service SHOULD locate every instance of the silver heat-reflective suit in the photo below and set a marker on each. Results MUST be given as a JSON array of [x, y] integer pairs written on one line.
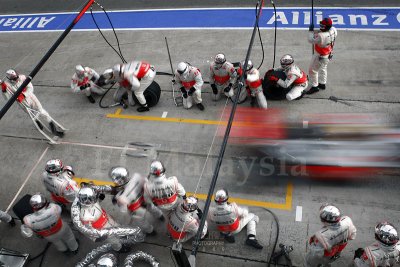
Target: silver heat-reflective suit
[[378, 255], [325, 245], [254, 83], [231, 219], [48, 224], [90, 77], [163, 192], [134, 76], [323, 45], [183, 225], [62, 188], [296, 79], [131, 199], [191, 78], [27, 96], [222, 77]]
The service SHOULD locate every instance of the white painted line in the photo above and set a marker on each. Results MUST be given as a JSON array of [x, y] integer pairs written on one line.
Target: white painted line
[[100, 146], [164, 114], [299, 213], [26, 180], [305, 124]]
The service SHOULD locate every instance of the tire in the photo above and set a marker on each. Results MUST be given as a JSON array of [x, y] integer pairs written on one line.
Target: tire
[[271, 91], [152, 94]]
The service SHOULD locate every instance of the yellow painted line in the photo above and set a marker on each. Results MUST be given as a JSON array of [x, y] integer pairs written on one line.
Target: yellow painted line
[[247, 202]]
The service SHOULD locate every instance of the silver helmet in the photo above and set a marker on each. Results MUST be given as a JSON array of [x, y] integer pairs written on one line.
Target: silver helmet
[[118, 69], [221, 196], [87, 196], [182, 68], [108, 74], [286, 61], [80, 71], [38, 201], [249, 65], [54, 166], [157, 169], [107, 260], [386, 234], [220, 59], [190, 204], [329, 214], [119, 175], [12, 75]]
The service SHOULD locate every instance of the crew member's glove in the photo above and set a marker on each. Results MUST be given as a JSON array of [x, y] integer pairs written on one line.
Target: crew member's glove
[[184, 93], [102, 196], [12, 222], [253, 101], [184, 197], [358, 253], [311, 28], [227, 89], [93, 79], [83, 87], [214, 89], [273, 78], [191, 91], [114, 201]]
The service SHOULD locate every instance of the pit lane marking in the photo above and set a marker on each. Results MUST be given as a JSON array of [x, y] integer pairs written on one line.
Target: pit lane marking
[[164, 114], [299, 213], [287, 205]]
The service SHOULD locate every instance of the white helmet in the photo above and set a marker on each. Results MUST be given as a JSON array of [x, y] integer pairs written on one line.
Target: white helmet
[[38, 201], [80, 71], [329, 214], [157, 169], [182, 68], [190, 204], [220, 59], [386, 234], [108, 74], [54, 166], [221, 196], [107, 260], [12, 75], [87, 196], [249, 65], [119, 175], [286, 61]]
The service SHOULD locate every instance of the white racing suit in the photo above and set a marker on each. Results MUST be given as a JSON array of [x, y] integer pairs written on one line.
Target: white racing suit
[[191, 78], [296, 79], [378, 255], [5, 217], [326, 245], [231, 219], [134, 76], [323, 46], [27, 96], [90, 78], [131, 199], [254, 83], [48, 224], [222, 77], [163, 192], [62, 188], [183, 225]]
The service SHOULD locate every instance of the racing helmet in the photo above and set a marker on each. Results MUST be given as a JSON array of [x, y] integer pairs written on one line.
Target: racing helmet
[[54, 166], [221, 196], [157, 169], [87, 196], [329, 214], [190, 204], [80, 71], [286, 61], [108, 74], [219, 59], [386, 234], [12, 75], [249, 65], [119, 175], [38, 201], [182, 68], [325, 24]]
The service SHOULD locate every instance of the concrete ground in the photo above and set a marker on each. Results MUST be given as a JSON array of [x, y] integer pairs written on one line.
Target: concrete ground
[[364, 72]]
